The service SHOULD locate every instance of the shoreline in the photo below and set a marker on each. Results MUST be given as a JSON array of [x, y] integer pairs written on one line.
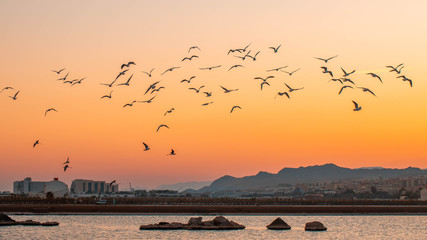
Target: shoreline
[[77, 209]]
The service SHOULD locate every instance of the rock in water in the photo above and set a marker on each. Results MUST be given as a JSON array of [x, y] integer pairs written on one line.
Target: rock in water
[[218, 223], [279, 224], [50, 224], [5, 218], [29, 223], [221, 221], [195, 221], [315, 226]]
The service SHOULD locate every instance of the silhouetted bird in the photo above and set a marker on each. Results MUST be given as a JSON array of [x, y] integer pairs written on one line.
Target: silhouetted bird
[[189, 58], [14, 96], [262, 84], [68, 160], [127, 65], [35, 143], [193, 47], [208, 94], [404, 78], [276, 49], [325, 70], [283, 93], [170, 111], [367, 90], [375, 76], [59, 71], [170, 70], [197, 90], [356, 106], [254, 57], [109, 84], [347, 74], [121, 73], [163, 125], [77, 81], [395, 69], [149, 74], [347, 80], [64, 78], [129, 104], [210, 68], [152, 86], [148, 101], [111, 184], [293, 89], [205, 104], [327, 59], [228, 90], [127, 82], [276, 69], [172, 152], [6, 88], [188, 80], [336, 80], [156, 89], [234, 108], [344, 87], [264, 79], [107, 96], [146, 147], [235, 66], [65, 167], [290, 73], [50, 109]]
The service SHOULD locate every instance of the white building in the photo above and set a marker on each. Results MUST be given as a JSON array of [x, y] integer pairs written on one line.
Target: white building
[[85, 187], [27, 186]]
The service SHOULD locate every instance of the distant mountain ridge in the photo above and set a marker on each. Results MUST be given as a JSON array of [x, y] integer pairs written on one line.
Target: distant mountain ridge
[[180, 187], [306, 175]]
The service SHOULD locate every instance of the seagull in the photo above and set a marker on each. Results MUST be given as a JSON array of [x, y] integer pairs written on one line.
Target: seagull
[[290, 73], [210, 68], [127, 82], [336, 80], [197, 90], [6, 88], [107, 96], [35, 143], [156, 90], [193, 47], [395, 69], [163, 125], [276, 69], [227, 90], [50, 109], [244, 49], [188, 80], [65, 167], [356, 106], [205, 104], [325, 70], [234, 50], [59, 71], [68, 160], [344, 87], [254, 57], [170, 70], [347, 74], [111, 184], [347, 80], [367, 90], [235, 66], [264, 79], [64, 78], [293, 89], [327, 59], [152, 86], [170, 111], [146, 147], [127, 65], [14, 96], [275, 49], [148, 101], [121, 73], [172, 152], [234, 108], [78, 81], [109, 84], [208, 94], [282, 93], [189, 58], [375, 76], [262, 84], [129, 104], [404, 78], [149, 74]]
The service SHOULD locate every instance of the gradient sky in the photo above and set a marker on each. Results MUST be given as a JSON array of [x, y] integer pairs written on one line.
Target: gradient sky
[[316, 126]]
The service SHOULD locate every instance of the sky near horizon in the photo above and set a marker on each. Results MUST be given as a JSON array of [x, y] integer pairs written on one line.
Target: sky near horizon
[[315, 126]]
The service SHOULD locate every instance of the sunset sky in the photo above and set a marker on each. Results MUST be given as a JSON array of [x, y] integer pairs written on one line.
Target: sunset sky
[[315, 126]]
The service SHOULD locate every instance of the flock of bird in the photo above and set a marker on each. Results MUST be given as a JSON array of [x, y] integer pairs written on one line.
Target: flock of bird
[[240, 53]]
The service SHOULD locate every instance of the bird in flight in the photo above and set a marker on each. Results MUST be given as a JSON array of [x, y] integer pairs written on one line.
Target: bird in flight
[[208, 94], [50, 109], [6, 88], [326, 59], [148, 101], [292, 89], [395, 69], [253, 57], [111, 184], [163, 125], [210, 68], [127, 65], [347, 74], [228, 90], [356, 106], [170, 111], [64, 78], [264, 79], [68, 160], [375, 76], [234, 107], [189, 58], [107, 96], [344, 87], [77, 81], [367, 90], [65, 167], [234, 50], [109, 84], [127, 82], [245, 48], [152, 86], [14, 96], [347, 80], [146, 147], [188, 80], [197, 90], [290, 73], [325, 70], [235, 66], [59, 71], [283, 93], [172, 152], [193, 47], [156, 90], [121, 73], [336, 80], [36, 143], [170, 70], [404, 78], [276, 69], [264, 82], [129, 104], [275, 49], [205, 104], [148, 73]]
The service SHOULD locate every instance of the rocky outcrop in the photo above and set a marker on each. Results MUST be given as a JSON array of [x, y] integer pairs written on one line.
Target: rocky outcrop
[[315, 226], [50, 223], [279, 224], [7, 221], [218, 223]]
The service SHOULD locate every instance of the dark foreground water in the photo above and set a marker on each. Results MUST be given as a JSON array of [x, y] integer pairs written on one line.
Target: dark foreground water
[[127, 227]]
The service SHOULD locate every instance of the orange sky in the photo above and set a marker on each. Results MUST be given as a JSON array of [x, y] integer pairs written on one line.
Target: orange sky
[[93, 38]]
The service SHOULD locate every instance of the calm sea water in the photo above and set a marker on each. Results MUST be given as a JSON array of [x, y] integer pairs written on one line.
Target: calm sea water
[[127, 227]]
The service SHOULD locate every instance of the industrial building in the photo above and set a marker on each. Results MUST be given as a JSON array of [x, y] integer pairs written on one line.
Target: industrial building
[[30, 188], [81, 186]]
